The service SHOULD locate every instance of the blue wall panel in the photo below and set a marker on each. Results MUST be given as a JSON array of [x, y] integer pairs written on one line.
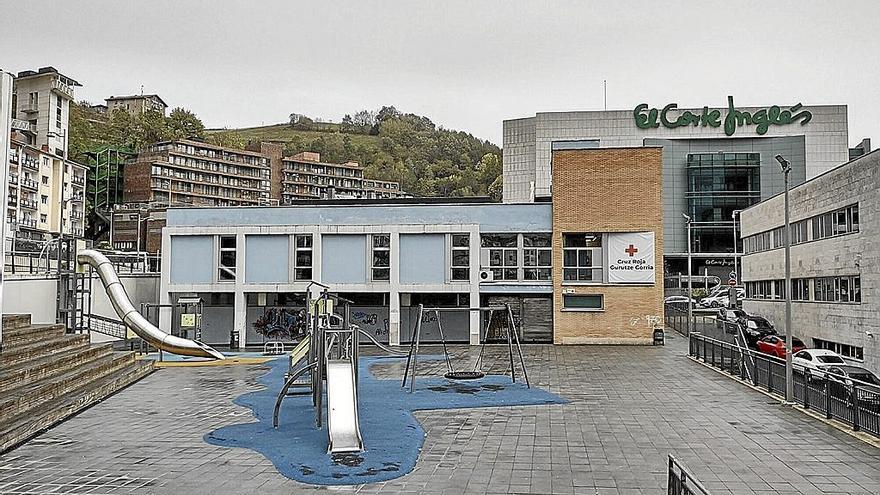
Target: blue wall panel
[[267, 259], [344, 259], [192, 259], [422, 258]]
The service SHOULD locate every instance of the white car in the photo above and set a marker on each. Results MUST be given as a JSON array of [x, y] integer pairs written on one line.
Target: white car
[[677, 299], [812, 362], [721, 299]]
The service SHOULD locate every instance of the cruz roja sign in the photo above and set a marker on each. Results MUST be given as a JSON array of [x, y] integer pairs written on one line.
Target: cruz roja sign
[[631, 258], [651, 118]]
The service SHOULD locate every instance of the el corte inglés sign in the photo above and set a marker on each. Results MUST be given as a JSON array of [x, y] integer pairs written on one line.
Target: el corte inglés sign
[[669, 117]]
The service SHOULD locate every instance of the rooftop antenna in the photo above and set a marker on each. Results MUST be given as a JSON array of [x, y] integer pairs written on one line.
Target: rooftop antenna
[[142, 90], [605, 91]]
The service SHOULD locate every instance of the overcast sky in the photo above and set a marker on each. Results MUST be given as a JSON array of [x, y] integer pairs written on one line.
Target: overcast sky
[[467, 65]]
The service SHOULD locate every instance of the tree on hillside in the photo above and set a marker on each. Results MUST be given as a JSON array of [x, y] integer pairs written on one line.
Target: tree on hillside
[[182, 123]]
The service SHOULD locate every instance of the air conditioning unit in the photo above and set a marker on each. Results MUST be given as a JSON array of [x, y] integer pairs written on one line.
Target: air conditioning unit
[[487, 276]]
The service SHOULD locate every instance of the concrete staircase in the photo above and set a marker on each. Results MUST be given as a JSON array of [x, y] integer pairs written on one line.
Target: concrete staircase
[[47, 375]]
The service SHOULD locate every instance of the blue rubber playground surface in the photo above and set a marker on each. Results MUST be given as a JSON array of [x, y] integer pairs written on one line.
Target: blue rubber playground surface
[[392, 435]]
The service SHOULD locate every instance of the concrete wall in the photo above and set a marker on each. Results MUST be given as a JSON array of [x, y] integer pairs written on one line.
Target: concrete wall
[[193, 260], [344, 259], [847, 254], [35, 296], [527, 141], [268, 259], [423, 258], [607, 191]]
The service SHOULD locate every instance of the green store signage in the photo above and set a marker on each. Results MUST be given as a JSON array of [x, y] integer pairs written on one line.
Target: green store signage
[[762, 119]]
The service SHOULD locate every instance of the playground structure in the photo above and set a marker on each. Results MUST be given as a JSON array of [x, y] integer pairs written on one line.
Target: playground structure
[[328, 357], [509, 335], [133, 319]]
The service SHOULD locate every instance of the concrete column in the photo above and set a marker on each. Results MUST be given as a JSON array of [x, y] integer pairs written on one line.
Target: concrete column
[[394, 318], [239, 319], [474, 318], [393, 289], [164, 281]]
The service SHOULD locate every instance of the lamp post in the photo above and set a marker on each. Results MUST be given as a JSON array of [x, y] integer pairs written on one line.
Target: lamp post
[[737, 276], [789, 375], [690, 321]]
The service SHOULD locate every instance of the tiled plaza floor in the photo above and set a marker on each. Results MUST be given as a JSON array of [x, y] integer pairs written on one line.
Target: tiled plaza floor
[[629, 407]]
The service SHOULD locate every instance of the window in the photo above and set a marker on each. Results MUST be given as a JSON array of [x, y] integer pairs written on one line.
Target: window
[[227, 258], [303, 257], [778, 237], [499, 253], [537, 256], [381, 260], [799, 231], [838, 289], [582, 257], [45, 180], [779, 289], [585, 302], [800, 289], [845, 350], [43, 218], [761, 289], [44, 199], [58, 113], [461, 257]]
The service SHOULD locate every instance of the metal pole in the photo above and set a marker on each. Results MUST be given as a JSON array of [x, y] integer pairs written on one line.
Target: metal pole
[[5, 128], [690, 279], [735, 271], [789, 372]]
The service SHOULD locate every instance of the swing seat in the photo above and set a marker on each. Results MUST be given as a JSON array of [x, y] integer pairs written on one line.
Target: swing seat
[[464, 375]]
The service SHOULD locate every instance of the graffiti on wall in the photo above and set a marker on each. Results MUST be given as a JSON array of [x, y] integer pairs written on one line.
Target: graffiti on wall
[[281, 323]]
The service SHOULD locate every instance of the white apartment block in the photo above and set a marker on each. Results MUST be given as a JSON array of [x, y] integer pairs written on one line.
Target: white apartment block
[[46, 189]]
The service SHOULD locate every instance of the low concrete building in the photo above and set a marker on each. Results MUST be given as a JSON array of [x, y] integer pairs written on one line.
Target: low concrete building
[[583, 269], [835, 260]]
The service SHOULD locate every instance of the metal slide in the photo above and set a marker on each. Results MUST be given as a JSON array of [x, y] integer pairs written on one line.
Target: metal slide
[[342, 410], [134, 320]]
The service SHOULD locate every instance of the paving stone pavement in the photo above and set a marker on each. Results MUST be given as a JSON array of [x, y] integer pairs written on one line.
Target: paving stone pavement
[[629, 407]]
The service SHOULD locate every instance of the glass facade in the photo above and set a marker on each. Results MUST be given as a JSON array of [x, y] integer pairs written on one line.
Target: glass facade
[[719, 184]]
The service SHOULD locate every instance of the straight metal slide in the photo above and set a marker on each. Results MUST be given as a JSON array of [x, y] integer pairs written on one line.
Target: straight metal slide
[[134, 320], [342, 410]]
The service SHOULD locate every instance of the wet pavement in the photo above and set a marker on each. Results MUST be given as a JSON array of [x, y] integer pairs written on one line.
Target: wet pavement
[[629, 407]]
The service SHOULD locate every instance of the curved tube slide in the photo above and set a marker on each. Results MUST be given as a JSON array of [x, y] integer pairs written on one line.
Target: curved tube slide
[[134, 320]]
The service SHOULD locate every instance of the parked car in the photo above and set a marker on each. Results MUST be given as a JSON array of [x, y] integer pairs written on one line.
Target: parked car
[[755, 328], [775, 345], [678, 300], [721, 299], [842, 377], [813, 362]]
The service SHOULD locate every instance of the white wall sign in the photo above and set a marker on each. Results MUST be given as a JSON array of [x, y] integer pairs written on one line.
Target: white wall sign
[[631, 258]]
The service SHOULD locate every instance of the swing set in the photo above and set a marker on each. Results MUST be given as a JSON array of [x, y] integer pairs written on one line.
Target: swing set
[[509, 335]]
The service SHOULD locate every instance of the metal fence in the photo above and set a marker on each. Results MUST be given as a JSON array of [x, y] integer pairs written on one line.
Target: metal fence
[[680, 480], [676, 318], [837, 397], [44, 261]]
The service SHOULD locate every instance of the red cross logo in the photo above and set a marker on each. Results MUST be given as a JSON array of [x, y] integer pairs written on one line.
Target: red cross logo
[[631, 250]]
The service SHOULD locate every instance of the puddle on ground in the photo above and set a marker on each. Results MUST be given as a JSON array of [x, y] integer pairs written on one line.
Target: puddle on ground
[[465, 389], [350, 460]]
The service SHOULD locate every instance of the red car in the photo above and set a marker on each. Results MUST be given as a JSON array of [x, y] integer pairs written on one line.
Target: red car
[[775, 345]]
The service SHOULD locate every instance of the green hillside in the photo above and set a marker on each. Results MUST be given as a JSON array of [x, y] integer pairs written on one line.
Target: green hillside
[[426, 159]]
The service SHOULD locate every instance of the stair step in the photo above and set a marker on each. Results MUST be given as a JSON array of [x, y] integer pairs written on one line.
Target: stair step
[[53, 412], [25, 400], [15, 320], [22, 336], [37, 350], [17, 376]]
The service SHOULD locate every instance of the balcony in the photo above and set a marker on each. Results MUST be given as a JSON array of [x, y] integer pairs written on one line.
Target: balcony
[[75, 214], [28, 222], [29, 184], [12, 201], [29, 107], [24, 126], [13, 179], [30, 162], [28, 204], [78, 180], [64, 89]]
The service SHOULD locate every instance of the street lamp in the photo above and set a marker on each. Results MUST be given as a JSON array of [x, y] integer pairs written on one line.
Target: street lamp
[[736, 275], [690, 321], [789, 374]]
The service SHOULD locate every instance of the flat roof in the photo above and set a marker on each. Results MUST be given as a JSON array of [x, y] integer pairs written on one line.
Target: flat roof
[[44, 71]]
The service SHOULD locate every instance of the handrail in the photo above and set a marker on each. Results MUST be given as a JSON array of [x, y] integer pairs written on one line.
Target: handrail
[[681, 482]]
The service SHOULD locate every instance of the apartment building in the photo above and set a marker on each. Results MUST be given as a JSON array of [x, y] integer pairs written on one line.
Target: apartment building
[[46, 189], [136, 104], [188, 172], [305, 176]]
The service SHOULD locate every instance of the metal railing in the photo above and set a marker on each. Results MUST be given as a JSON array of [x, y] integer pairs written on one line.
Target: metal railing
[[108, 326], [837, 397], [681, 482], [676, 315]]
